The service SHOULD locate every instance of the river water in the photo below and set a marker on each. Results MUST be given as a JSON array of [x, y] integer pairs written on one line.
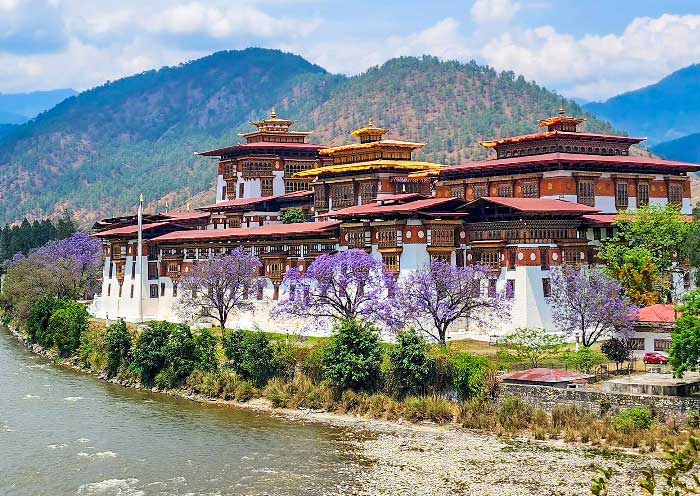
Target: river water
[[66, 433]]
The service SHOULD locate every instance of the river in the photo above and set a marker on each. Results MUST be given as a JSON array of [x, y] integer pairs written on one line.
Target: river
[[66, 433]]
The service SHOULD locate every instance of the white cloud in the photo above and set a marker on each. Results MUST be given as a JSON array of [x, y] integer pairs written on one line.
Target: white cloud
[[493, 11], [594, 66], [443, 39]]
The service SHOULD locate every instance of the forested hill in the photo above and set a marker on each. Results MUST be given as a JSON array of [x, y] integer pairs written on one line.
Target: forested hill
[[95, 152], [450, 106]]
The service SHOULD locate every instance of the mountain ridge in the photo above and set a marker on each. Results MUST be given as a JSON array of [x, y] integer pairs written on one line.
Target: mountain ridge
[[95, 152], [663, 111], [18, 108]]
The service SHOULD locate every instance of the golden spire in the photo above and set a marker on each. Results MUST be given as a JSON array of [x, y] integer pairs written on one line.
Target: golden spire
[[561, 110], [273, 113], [141, 198], [370, 123], [188, 205]]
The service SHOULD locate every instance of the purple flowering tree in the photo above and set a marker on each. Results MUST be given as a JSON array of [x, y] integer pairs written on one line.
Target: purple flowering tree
[[216, 287], [435, 297], [347, 285], [589, 304], [72, 263]]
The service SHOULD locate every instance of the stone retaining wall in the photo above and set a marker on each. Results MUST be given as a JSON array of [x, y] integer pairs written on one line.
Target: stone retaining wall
[[598, 402]]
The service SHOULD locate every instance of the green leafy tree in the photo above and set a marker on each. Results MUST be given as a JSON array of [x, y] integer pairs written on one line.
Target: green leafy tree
[[656, 234], [205, 351], [585, 360], [470, 373], [118, 341], [410, 365], [148, 357], [252, 355], [293, 216], [66, 326], [353, 357], [531, 345], [617, 350], [39, 316], [684, 354]]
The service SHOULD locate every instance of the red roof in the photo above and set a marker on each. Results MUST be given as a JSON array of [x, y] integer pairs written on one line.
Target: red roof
[[538, 205], [605, 220], [186, 215], [511, 164], [564, 134], [261, 144], [129, 230], [272, 230], [377, 208], [660, 313], [245, 202], [540, 374], [402, 197]]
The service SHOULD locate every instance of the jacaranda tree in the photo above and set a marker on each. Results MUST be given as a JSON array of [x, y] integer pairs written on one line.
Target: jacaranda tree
[[433, 298], [589, 304], [216, 287], [348, 285]]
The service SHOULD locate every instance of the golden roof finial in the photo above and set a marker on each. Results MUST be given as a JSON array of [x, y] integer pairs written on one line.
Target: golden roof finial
[[188, 205], [273, 113], [141, 198], [370, 123], [561, 109]]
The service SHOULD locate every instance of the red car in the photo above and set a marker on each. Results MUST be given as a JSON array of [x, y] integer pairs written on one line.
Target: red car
[[654, 357]]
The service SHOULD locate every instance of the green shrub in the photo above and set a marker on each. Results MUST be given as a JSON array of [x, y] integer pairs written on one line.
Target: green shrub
[[312, 364], [245, 391], [514, 414], [38, 320], [443, 370], [278, 392], [410, 367], [252, 355], [353, 357], [228, 383], [148, 356], [635, 418], [93, 348], [66, 325], [284, 362], [423, 408], [469, 375], [205, 351], [118, 344], [694, 419], [179, 353], [165, 379], [585, 360]]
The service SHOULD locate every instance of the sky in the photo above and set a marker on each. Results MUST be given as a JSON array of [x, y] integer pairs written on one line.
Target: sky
[[592, 49]]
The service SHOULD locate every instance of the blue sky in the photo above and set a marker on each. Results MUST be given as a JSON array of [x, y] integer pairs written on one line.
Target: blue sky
[[588, 49]]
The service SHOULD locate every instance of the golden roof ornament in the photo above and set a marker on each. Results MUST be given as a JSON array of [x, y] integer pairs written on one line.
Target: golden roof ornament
[[273, 113]]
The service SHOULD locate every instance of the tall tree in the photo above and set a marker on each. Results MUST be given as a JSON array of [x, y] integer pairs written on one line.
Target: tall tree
[[530, 345], [433, 298], [589, 304], [348, 285], [684, 354], [216, 287]]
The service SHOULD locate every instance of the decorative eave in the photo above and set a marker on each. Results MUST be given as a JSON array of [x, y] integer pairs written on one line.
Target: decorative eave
[[546, 135], [372, 144], [372, 165]]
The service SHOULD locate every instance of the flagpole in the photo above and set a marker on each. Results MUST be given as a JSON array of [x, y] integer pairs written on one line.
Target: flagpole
[[139, 255]]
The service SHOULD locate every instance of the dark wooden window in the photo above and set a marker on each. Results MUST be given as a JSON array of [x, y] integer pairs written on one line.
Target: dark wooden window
[[392, 263], [174, 289], [152, 270], [162, 289], [512, 252], [153, 290], [131, 291], [505, 190], [480, 190], [642, 194], [368, 191], [492, 287], [531, 189], [292, 186], [585, 192], [546, 287], [457, 192], [241, 190], [266, 186], [609, 232], [662, 344], [636, 344], [675, 193], [109, 289], [621, 195], [596, 233], [544, 257]]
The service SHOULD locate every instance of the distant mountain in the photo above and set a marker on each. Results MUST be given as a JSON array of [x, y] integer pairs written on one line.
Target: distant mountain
[[663, 111], [685, 149], [17, 108], [94, 153]]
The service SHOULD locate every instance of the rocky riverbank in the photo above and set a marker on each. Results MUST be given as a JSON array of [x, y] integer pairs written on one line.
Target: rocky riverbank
[[426, 459]]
